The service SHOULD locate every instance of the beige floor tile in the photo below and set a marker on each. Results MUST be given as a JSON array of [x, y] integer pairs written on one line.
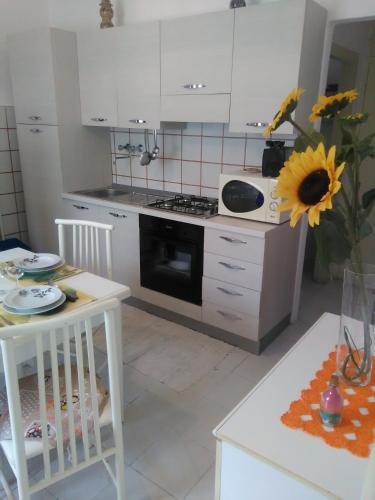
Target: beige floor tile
[[205, 488]]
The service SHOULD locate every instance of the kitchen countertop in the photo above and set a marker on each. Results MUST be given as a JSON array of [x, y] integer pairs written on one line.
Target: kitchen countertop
[[132, 202]]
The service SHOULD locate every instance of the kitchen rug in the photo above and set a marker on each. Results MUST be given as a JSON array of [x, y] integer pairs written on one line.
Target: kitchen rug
[[356, 432], [7, 319]]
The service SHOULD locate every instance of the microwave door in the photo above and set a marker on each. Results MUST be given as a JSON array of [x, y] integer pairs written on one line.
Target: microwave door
[[242, 198]]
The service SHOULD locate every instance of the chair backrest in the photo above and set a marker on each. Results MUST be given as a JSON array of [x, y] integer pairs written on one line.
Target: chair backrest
[[87, 245], [52, 342]]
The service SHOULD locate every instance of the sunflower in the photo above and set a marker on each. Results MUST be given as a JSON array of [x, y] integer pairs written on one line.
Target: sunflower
[[308, 182], [286, 109], [328, 107]]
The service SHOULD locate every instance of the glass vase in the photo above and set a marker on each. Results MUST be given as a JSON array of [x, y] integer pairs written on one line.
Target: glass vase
[[354, 348]]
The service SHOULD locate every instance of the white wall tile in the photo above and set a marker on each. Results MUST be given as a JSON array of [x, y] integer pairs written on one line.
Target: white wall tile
[[174, 187], [172, 170], [11, 117], [172, 146], [210, 175], [3, 118], [20, 202], [192, 129], [234, 151], [22, 221], [123, 166], [212, 149], [254, 151], [8, 203], [155, 170], [191, 173], [195, 190], [123, 181], [115, 180], [16, 162], [138, 170], [191, 148], [4, 144], [5, 161], [155, 185], [13, 140], [10, 224], [211, 193], [139, 182], [121, 138], [18, 181], [213, 129], [6, 183], [231, 169]]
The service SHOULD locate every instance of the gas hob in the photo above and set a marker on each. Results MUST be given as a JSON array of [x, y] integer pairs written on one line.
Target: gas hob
[[196, 206]]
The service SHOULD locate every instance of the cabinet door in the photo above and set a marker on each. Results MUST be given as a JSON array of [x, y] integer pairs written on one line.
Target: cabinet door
[[42, 183], [125, 246], [196, 54], [138, 66], [266, 63], [31, 67], [97, 67]]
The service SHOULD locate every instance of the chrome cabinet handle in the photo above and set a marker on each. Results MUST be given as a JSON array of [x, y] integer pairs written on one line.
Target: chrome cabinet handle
[[80, 207], [98, 119], [229, 316], [139, 121], [230, 266], [228, 292], [257, 124], [194, 86], [233, 240], [122, 216], [35, 118], [36, 130]]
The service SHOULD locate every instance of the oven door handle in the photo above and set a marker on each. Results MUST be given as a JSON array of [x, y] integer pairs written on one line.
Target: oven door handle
[[233, 240], [230, 266], [228, 292]]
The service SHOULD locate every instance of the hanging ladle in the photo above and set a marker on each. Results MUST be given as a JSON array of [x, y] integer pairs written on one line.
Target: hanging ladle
[[146, 156]]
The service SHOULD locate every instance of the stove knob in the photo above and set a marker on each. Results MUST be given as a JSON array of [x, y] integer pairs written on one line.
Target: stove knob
[[273, 206]]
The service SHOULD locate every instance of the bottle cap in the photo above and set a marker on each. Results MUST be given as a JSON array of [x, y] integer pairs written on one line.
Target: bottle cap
[[334, 380]]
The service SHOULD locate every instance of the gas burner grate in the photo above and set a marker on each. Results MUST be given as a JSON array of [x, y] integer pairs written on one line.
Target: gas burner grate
[[200, 206]]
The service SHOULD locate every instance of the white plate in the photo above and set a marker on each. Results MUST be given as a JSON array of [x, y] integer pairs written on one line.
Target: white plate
[[37, 310], [32, 297], [38, 262], [45, 269]]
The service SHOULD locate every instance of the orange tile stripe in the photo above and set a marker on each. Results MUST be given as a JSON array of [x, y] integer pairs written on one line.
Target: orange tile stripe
[[356, 432]]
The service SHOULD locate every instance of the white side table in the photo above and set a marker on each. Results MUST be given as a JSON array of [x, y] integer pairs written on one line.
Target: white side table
[[259, 458]]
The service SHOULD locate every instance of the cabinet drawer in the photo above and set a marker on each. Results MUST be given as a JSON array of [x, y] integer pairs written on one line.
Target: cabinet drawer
[[232, 321], [237, 246], [234, 271], [231, 296]]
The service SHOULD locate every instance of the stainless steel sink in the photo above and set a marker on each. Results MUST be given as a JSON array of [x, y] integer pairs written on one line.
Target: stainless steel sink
[[108, 192]]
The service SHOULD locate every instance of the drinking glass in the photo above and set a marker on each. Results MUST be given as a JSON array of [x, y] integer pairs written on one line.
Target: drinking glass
[[14, 273]]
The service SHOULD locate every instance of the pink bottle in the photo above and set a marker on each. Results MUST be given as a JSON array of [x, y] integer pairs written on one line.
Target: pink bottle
[[331, 403]]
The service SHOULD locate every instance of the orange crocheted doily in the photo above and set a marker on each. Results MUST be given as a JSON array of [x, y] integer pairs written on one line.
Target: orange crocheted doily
[[356, 432]]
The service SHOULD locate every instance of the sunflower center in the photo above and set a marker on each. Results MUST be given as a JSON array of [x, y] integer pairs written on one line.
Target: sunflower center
[[313, 187]]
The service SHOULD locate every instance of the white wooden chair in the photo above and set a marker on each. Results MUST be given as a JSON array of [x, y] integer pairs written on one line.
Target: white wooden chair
[[87, 243], [87, 446]]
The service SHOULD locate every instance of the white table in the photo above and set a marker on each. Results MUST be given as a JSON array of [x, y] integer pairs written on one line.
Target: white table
[[92, 284], [260, 458]]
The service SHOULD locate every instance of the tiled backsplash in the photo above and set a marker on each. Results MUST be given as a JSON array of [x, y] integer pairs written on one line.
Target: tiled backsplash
[[191, 158], [12, 207]]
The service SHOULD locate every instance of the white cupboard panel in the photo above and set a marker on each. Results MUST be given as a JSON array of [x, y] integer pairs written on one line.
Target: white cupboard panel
[[237, 272], [234, 245], [231, 296], [97, 75], [231, 321], [138, 74], [31, 67], [197, 51], [196, 108]]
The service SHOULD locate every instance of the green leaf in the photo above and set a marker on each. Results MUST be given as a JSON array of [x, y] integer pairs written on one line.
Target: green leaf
[[312, 139], [332, 240], [347, 137], [365, 229], [368, 199]]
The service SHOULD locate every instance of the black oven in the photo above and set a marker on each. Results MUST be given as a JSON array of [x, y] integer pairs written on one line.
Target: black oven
[[171, 254]]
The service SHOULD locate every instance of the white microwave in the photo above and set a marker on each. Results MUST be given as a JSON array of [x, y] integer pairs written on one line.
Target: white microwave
[[248, 195]]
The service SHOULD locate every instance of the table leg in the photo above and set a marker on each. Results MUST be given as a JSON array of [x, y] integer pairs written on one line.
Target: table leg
[[118, 319]]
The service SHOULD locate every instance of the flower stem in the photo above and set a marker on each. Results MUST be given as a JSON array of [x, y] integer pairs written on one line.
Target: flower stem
[[302, 131]]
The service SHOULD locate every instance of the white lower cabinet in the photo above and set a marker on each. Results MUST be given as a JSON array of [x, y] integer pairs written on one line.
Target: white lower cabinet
[[230, 320], [125, 237], [234, 297]]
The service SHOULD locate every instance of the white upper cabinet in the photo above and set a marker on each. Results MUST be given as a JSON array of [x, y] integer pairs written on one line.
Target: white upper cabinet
[[31, 66], [97, 69], [277, 47], [138, 75], [196, 54]]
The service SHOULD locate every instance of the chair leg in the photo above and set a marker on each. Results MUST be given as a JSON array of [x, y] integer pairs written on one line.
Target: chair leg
[[5, 486], [120, 474]]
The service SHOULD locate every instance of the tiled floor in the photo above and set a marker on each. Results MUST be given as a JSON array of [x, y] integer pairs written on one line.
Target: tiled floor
[[179, 385]]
